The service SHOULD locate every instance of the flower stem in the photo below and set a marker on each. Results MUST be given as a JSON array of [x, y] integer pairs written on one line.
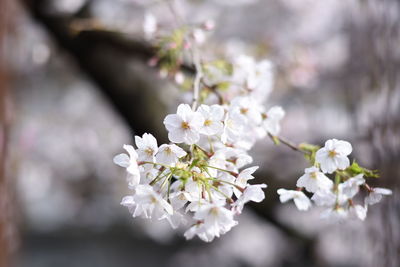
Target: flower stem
[[230, 172], [198, 76], [154, 163]]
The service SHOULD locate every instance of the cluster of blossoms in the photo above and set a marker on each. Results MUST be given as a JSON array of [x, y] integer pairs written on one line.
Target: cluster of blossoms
[[337, 198], [201, 178]]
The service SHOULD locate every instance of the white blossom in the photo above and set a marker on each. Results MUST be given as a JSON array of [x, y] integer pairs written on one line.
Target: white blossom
[[199, 230], [216, 218], [213, 116], [324, 198], [130, 163], [333, 155], [184, 126], [256, 77], [245, 175], [128, 202], [351, 187], [234, 124], [313, 180], [376, 195], [301, 201], [236, 156], [151, 202], [249, 108], [272, 118], [251, 193], [147, 147]]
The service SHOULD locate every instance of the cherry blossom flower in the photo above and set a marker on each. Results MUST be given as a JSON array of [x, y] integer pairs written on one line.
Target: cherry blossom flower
[[238, 157], [351, 187], [213, 116], [152, 203], [376, 195], [199, 230], [147, 147], [216, 218], [233, 126], [245, 175], [301, 201], [272, 118], [135, 210], [333, 155], [184, 126], [251, 193], [314, 180], [324, 197], [249, 108], [130, 163], [256, 77]]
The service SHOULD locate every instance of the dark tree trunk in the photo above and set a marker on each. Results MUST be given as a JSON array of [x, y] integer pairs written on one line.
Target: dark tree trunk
[[6, 225]]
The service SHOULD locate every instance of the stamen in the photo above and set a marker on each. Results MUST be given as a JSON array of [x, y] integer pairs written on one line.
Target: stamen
[[332, 153], [185, 125]]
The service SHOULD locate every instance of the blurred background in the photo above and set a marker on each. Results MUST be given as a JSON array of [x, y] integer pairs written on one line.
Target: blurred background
[[75, 85]]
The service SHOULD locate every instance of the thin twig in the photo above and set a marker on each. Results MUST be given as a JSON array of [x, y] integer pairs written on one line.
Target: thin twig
[[194, 53], [289, 144], [198, 77]]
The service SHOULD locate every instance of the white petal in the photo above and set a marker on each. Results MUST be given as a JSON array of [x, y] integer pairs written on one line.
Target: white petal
[[382, 191], [172, 121], [302, 202], [184, 111], [284, 195], [191, 137], [176, 136], [122, 160], [343, 147], [131, 151], [342, 162]]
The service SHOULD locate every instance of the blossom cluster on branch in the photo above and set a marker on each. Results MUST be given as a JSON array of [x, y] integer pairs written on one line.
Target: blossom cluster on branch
[[336, 197], [200, 173], [201, 178]]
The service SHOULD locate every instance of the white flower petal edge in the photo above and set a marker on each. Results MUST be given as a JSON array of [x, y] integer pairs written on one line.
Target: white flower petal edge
[[301, 201]]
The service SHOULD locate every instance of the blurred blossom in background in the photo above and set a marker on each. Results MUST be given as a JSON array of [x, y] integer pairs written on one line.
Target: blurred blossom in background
[[336, 75]]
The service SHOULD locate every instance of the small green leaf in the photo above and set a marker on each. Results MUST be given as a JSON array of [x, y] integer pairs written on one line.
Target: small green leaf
[[223, 86], [356, 169]]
